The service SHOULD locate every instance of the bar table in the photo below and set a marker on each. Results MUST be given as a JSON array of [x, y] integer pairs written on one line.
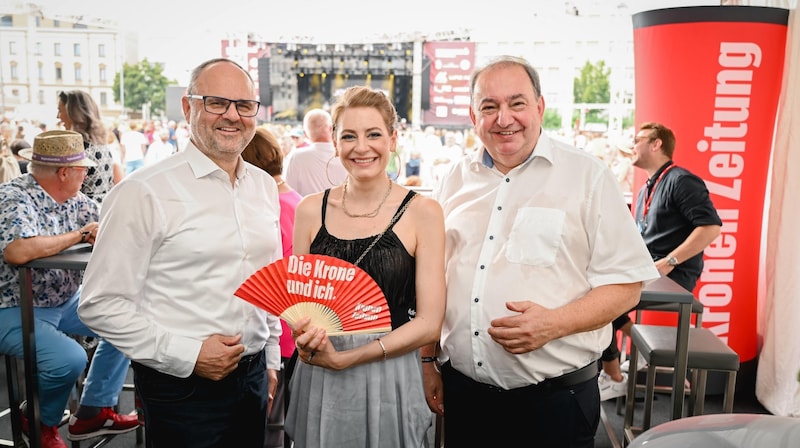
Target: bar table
[[74, 258]]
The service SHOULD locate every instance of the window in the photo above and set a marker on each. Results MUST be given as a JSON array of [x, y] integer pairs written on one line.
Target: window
[[76, 49], [57, 49], [37, 49], [78, 73], [59, 74], [41, 97], [103, 99], [101, 50], [14, 71], [6, 21], [12, 47], [103, 75], [40, 71], [56, 23]]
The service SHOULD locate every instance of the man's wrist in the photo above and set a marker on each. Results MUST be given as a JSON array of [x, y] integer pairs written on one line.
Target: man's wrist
[[84, 234]]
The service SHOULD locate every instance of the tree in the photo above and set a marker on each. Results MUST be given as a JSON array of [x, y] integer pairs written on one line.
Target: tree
[[552, 119], [593, 86], [144, 83]]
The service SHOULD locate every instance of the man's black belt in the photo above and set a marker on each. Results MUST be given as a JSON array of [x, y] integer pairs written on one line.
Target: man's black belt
[[564, 381], [249, 360], [572, 378]]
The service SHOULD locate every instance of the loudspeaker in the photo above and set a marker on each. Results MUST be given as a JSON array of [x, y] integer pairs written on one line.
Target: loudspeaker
[[264, 83]]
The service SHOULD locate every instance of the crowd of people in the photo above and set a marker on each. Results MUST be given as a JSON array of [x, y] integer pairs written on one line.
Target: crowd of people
[[501, 278]]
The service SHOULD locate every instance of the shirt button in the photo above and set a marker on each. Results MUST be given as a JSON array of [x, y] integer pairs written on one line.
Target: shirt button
[[476, 333], [499, 207], [483, 267], [491, 237], [480, 363], [476, 300], [508, 180]]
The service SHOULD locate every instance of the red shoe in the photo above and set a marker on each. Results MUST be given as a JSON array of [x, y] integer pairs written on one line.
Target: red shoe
[[106, 422], [49, 435]]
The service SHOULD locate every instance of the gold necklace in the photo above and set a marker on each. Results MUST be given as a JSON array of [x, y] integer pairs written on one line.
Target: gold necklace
[[371, 214]]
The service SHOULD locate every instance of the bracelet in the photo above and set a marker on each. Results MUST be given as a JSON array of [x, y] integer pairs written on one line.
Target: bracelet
[[383, 347], [430, 359], [84, 234]]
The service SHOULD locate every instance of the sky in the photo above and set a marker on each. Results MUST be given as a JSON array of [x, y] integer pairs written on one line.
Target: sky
[[182, 33]]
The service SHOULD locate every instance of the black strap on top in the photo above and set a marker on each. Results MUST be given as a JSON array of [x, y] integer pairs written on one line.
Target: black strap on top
[[397, 215], [395, 218], [402, 209]]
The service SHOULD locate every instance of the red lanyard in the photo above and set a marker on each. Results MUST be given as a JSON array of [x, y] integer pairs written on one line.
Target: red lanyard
[[650, 195]]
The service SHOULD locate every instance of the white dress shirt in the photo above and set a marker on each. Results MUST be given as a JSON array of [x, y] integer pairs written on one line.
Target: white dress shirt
[[548, 231], [314, 168], [176, 240]]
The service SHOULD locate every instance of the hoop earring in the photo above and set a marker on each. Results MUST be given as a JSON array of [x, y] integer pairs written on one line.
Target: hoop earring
[[327, 175], [396, 158]]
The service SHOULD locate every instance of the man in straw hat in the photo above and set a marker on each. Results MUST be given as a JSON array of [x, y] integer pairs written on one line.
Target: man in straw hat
[[204, 220], [43, 213]]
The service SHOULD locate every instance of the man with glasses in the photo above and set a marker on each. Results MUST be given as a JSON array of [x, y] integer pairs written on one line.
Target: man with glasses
[[43, 213], [182, 236], [673, 210], [677, 220]]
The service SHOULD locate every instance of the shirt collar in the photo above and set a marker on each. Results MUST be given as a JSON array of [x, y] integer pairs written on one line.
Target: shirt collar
[[543, 148], [658, 172], [202, 165]]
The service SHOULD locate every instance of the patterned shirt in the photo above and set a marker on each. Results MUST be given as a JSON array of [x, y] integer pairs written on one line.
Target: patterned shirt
[[26, 210], [100, 179]]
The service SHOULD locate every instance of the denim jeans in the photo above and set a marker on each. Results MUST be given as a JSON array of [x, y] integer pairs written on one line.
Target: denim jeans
[[196, 412], [61, 359]]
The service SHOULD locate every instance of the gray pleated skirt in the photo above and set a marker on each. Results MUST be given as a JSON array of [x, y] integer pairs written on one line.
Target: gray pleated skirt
[[376, 405]]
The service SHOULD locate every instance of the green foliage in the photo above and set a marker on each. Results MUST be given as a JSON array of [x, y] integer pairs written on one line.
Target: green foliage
[[144, 82], [593, 86], [552, 119], [628, 120]]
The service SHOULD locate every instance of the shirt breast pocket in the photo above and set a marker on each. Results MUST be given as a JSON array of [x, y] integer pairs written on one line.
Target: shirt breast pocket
[[535, 236]]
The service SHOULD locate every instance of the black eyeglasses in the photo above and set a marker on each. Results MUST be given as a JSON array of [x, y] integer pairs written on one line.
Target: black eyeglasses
[[643, 138], [218, 106]]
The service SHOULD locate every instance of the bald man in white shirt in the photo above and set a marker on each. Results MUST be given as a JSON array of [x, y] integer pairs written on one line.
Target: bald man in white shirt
[[315, 167]]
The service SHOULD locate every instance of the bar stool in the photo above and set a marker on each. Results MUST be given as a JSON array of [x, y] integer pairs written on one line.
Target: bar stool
[[706, 352], [12, 383], [697, 311]]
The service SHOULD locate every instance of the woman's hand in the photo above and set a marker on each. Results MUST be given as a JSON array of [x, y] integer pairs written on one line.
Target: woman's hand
[[312, 343]]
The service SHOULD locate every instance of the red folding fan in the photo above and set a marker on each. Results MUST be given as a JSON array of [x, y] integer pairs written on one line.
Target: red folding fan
[[337, 295]]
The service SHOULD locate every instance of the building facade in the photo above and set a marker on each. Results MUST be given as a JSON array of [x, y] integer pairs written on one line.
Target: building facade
[[41, 56]]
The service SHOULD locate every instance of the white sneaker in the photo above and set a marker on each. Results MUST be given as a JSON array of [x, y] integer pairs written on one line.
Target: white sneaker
[[612, 389], [641, 364]]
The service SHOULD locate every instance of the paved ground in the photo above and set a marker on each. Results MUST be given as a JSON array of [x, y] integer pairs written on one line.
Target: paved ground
[[745, 402]]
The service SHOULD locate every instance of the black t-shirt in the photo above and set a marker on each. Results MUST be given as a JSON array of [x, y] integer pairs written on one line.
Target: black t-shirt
[[680, 202]]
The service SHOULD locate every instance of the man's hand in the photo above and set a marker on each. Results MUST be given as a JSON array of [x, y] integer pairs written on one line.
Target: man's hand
[[272, 374], [525, 332], [432, 381], [91, 232], [219, 356]]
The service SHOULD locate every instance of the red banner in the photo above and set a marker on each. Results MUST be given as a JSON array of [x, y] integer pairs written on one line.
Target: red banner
[[712, 74], [450, 65]]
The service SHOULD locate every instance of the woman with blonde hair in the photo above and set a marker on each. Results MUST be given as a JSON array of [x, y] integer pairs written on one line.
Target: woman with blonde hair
[[366, 390]]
